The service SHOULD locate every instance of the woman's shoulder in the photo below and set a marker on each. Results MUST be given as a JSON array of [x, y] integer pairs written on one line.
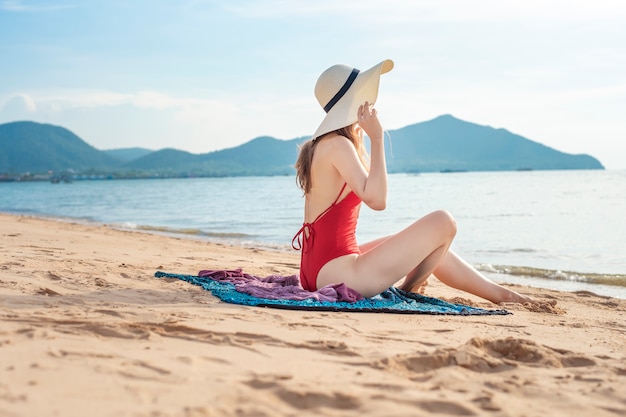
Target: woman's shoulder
[[334, 149], [334, 141]]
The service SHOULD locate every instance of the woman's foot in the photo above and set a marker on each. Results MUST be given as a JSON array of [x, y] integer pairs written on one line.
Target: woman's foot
[[530, 304], [510, 296], [418, 287]]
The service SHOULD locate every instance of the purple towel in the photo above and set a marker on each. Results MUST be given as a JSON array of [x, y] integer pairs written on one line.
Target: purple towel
[[281, 287]]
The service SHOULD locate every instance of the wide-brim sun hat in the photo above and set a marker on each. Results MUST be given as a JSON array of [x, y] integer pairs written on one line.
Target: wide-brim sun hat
[[341, 89]]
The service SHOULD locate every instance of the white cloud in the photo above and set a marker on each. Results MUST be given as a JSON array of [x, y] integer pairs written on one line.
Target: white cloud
[[18, 105], [395, 11], [65, 99], [21, 6], [108, 119]]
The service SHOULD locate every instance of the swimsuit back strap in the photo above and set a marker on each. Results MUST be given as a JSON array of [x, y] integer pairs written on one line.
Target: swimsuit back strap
[[332, 205], [307, 232], [340, 192]]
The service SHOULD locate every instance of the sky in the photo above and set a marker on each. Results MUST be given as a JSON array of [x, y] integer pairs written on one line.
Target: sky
[[203, 75]]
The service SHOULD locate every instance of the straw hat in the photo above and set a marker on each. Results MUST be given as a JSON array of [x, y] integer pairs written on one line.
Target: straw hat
[[341, 89]]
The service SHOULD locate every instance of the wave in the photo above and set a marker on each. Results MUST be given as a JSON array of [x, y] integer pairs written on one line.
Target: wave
[[618, 280], [186, 231]]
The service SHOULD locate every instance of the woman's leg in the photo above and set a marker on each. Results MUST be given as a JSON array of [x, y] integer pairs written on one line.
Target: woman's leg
[[366, 247], [419, 248], [409, 283], [457, 273], [426, 242]]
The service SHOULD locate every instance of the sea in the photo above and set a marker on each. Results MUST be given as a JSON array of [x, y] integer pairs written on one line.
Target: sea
[[563, 230]]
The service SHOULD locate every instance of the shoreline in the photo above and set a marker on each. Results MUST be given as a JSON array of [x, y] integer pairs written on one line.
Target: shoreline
[[558, 280], [85, 328]]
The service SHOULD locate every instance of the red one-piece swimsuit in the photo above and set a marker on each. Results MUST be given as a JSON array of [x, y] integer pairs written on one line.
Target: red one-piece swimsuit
[[329, 236]]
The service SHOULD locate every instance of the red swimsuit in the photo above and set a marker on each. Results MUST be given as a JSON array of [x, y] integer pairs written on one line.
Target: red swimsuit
[[331, 235]]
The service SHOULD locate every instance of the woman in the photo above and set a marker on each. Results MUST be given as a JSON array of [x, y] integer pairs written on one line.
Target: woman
[[335, 175]]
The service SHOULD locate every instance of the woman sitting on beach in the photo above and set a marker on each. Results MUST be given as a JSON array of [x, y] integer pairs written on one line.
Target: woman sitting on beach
[[335, 175]]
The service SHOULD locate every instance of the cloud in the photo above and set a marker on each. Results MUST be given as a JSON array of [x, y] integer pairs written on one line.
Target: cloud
[[21, 6], [109, 119], [76, 98], [433, 10], [19, 104]]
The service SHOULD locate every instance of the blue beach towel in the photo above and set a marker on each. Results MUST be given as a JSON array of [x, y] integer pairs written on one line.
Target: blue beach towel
[[392, 300]]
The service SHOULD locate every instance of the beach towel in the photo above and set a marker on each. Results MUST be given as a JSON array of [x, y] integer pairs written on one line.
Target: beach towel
[[285, 292]]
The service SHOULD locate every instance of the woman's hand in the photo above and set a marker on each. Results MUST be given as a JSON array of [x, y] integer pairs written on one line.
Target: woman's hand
[[368, 121]]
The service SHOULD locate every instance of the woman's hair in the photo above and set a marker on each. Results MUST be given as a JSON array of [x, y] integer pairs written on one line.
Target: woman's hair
[[305, 157]]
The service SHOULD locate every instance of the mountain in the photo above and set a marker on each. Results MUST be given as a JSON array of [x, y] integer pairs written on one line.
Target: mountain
[[128, 154], [35, 147], [441, 144], [447, 143], [261, 156]]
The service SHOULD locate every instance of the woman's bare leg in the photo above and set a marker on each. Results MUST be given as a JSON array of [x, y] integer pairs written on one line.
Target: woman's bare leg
[[366, 247], [387, 260], [415, 280], [408, 283], [457, 273], [424, 244]]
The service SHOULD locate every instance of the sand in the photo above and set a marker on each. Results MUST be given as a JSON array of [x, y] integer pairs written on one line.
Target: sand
[[86, 330]]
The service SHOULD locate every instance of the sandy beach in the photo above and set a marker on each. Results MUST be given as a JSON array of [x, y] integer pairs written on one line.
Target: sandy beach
[[86, 330]]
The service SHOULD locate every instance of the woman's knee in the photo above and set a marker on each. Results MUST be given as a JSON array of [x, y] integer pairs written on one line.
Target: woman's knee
[[445, 223]]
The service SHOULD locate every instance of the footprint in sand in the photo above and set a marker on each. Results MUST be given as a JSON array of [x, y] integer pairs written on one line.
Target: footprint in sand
[[305, 399], [47, 291], [330, 347], [445, 407], [102, 283], [54, 277]]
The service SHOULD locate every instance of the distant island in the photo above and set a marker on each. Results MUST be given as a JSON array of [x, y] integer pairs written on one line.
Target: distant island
[[34, 151]]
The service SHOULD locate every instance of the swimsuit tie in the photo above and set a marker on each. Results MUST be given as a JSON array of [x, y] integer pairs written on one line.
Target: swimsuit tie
[[306, 228]]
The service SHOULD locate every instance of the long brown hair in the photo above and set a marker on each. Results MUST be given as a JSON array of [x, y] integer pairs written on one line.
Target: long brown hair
[[307, 149]]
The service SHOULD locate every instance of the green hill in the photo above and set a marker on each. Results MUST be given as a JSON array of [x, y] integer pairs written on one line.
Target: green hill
[[442, 144], [447, 143], [128, 154], [260, 156], [165, 161], [39, 148]]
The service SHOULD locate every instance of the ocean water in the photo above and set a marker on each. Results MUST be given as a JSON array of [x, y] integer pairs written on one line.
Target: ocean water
[[553, 229]]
